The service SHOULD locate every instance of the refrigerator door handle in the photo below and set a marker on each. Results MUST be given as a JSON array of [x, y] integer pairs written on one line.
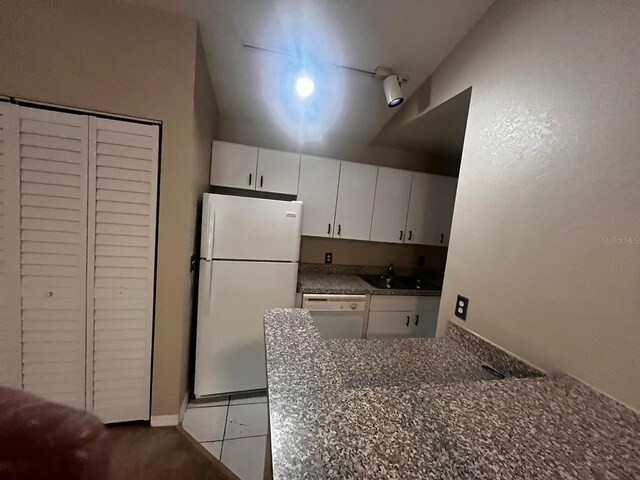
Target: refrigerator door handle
[[208, 227], [206, 279]]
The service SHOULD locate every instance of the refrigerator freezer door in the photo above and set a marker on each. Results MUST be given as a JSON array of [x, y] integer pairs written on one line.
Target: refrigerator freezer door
[[230, 349], [256, 229]]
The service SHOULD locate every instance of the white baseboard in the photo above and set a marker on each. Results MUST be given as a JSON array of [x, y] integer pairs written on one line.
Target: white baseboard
[[184, 405], [165, 420]]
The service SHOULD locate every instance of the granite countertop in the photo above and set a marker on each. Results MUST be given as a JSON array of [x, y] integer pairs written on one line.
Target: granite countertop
[[409, 362], [332, 418], [349, 284]]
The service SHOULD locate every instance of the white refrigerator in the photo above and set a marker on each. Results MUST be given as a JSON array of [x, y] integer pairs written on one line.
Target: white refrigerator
[[248, 264]]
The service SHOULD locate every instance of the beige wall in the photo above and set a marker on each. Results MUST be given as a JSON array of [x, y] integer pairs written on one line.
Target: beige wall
[[353, 252], [205, 128], [549, 173], [117, 58]]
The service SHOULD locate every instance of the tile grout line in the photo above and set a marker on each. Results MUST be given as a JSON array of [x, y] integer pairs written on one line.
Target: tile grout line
[[248, 436], [224, 432]]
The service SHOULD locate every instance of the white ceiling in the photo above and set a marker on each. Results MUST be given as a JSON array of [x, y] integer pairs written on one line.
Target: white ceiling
[[410, 36]]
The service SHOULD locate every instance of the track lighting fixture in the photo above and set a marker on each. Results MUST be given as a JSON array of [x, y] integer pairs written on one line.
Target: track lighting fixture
[[392, 90]]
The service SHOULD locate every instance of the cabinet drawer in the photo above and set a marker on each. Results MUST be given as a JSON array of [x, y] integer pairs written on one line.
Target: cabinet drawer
[[401, 303], [393, 303]]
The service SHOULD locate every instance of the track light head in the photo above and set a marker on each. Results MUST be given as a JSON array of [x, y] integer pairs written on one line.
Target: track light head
[[392, 91]]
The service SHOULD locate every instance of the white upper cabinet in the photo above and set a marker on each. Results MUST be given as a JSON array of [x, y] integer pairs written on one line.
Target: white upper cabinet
[[448, 187], [278, 171], [318, 190], [233, 165], [356, 193], [390, 206], [424, 210], [347, 200]]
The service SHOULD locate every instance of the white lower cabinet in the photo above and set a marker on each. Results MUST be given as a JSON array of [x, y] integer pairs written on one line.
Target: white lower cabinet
[[426, 316], [390, 324], [402, 316]]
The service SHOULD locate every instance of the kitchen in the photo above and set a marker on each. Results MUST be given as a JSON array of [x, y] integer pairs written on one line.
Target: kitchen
[[520, 106]]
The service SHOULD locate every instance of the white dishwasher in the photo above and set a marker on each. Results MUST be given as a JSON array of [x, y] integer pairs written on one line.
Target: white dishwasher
[[336, 316]]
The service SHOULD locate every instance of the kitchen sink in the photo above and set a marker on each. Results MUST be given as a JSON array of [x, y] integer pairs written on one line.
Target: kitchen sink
[[399, 282]]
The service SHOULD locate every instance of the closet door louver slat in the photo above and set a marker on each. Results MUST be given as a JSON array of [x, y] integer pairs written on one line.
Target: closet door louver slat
[[10, 323], [123, 162], [53, 152]]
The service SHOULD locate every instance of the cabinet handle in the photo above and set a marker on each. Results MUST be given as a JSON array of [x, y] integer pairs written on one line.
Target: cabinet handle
[[442, 238], [261, 180], [329, 229], [250, 176], [400, 235], [410, 234], [408, 320], [339, 228], [417, 319]]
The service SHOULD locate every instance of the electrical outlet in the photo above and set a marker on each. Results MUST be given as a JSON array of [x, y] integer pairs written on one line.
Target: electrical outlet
[[328, 257], [421, 261], [462, 304]]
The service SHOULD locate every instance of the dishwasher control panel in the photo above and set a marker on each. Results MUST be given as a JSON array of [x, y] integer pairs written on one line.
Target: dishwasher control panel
[[333, 303]]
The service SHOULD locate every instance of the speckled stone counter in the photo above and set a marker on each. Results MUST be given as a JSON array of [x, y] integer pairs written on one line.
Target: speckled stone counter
[[346, 284], [408, 362], [325, 424]]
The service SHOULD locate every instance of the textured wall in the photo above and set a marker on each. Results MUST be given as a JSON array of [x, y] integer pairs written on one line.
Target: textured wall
[[545, 238]]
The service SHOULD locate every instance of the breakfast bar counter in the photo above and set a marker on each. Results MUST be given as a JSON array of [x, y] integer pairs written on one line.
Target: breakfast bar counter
[[332, 416]]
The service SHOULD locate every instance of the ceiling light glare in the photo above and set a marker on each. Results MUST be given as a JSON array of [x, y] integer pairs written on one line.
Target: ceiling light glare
[[304, 86]]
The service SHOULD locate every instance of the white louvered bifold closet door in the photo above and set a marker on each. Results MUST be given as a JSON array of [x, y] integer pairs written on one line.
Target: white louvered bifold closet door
[[123, 171], [53, 151], [10, 321]]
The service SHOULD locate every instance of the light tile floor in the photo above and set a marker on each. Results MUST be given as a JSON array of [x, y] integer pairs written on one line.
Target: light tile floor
[[234, 430]]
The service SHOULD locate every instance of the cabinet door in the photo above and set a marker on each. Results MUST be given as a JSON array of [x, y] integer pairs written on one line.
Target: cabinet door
[[278, 171], [53, 150], [424, 210], [123, 171], [425, 318], [318, 190], [390, 324], [233, 165], [390, 205], [448, 198], [356, 193], [10, 320]]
